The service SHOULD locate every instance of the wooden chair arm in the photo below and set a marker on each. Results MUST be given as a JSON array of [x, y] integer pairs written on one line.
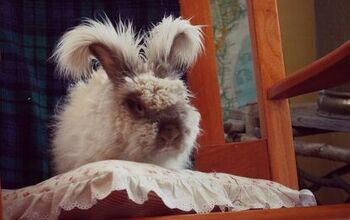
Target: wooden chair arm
[[328, 212], [328, 71]]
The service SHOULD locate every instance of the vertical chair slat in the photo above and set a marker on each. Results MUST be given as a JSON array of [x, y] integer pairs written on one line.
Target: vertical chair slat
[[202, 79], [269, 68]]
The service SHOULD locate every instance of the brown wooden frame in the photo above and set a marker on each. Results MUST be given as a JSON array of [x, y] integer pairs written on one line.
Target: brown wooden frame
[[269, 69], [272, 157], [272, 88], [335, 64], [338, 212]]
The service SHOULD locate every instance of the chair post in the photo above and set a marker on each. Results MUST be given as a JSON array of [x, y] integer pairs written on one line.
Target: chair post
[[202, 79], [269, 68]]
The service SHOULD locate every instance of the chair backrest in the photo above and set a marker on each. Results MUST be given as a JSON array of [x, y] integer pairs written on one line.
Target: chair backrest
[[273, 156]]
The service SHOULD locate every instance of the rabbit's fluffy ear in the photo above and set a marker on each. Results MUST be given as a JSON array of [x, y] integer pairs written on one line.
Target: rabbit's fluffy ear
[[116, 49], [172, 46]]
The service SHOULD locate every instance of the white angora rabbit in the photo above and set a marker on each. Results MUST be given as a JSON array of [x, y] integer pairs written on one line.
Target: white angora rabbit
[[133, 108]]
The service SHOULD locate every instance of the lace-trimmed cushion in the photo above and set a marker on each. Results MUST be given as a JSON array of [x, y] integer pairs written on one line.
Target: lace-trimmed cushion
[[115, 189]]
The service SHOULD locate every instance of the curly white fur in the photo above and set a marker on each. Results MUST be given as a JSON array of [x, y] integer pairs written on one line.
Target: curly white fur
[[96, 124], [160, 43], [72, 51]]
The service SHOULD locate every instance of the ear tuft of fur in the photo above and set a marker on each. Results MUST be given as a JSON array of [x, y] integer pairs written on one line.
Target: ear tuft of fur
[[72, 53], [174, 44]]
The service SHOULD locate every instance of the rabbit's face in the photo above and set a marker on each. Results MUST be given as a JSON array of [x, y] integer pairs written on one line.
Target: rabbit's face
[[158, 115]]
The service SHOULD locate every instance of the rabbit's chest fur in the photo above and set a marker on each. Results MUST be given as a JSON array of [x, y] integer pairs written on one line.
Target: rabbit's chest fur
[[91, 127], [85, 131]]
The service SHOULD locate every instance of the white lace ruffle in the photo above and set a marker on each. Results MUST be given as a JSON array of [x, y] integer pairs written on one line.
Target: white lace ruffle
[[185, 190]]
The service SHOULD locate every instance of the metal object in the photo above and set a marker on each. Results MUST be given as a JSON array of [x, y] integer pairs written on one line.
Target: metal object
[[335, 102]]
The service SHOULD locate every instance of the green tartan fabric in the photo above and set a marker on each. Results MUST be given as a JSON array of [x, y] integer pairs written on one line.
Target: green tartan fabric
[[29, 88]]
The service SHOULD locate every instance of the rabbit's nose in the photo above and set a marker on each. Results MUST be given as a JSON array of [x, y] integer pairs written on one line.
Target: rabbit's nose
[[168, 133]]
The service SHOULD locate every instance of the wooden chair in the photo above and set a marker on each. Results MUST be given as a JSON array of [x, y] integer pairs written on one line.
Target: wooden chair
[[271, 157]]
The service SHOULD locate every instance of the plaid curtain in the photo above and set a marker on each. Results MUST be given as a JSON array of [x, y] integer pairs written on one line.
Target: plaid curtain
[[29, 89]]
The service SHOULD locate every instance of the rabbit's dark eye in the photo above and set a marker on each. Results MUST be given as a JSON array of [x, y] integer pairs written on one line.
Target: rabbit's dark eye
[[135, 107]]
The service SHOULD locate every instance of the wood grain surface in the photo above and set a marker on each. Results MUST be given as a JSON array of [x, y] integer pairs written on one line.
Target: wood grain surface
[[249, 159], [202, 79], [269, 69], [330, 212], [328, 71]]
